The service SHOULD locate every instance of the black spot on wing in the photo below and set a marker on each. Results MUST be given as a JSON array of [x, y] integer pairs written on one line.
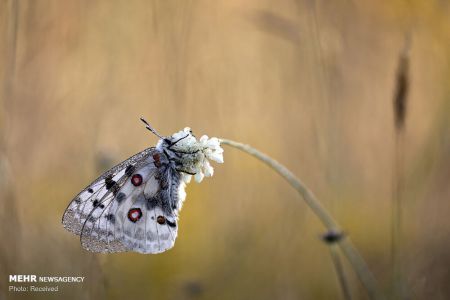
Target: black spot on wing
[[129, 170], [90, 190], [115, 189], [151, 203], [111, 218], [97, 203], [171, 224], [109, 183], [120, 197]]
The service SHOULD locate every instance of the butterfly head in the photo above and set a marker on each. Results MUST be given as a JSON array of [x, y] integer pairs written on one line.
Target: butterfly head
[[189, 155], [181, 147]]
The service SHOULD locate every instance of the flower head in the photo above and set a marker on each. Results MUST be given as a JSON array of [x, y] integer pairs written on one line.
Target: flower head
[[195, 155]]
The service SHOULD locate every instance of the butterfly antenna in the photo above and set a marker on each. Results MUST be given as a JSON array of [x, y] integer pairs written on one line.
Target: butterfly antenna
[[151, 128]]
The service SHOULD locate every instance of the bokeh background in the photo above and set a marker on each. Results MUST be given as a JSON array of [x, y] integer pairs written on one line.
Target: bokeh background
[[309, 82]]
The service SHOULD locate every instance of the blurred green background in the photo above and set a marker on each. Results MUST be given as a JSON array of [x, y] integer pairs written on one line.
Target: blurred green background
[[308, 82]]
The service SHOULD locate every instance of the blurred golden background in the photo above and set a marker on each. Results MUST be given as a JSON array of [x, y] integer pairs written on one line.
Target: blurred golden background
[[309, 82]]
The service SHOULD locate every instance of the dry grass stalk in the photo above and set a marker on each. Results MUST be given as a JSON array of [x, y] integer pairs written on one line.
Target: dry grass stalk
[[356, 261], [400, 103]]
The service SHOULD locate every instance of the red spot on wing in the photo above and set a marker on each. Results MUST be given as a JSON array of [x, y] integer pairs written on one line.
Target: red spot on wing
[[161, 220], [134, 214], [136, 179], [157, 159]]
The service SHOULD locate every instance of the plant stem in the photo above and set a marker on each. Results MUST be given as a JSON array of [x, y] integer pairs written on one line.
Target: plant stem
[[400, 112], [356, 261], [340, 272]]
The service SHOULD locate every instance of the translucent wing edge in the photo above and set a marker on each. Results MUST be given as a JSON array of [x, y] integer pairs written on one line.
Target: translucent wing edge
[[69, 221]]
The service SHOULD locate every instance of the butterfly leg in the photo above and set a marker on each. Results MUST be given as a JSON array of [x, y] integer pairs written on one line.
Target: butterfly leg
[[183, 171]]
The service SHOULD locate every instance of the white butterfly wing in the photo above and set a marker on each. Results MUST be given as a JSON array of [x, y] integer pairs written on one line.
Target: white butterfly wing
[[80, 207], [132, 207]]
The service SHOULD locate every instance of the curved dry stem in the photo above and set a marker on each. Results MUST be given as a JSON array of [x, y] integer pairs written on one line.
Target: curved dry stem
[[340, 272], [353, 256]]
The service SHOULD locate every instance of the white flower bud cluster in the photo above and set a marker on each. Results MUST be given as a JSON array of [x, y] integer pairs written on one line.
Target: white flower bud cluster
[[198, 154]]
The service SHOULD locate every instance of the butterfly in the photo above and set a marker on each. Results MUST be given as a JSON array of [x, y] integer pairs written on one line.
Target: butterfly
[[134, 206]]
